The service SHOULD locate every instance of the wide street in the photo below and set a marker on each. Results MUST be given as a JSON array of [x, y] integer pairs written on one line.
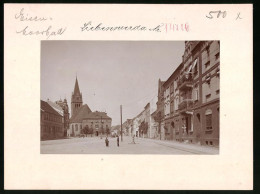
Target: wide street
[[95, 145]]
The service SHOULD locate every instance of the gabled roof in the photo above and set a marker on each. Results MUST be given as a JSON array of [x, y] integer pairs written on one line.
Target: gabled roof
[[85, 113], [80, 114], [56, 107], [98, 115], [45, 107]]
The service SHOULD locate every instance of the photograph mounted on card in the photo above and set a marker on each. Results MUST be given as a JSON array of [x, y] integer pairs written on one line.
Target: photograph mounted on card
[[108, 94]]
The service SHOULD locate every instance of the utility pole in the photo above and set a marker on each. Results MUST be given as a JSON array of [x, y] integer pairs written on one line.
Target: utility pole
[[121, 123], [101, 127]]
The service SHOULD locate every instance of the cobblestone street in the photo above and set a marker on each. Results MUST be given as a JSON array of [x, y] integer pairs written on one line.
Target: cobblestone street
[[95, 145]]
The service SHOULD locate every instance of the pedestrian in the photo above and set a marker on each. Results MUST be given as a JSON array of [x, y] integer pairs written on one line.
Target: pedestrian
[[107, 142], [117, 140]]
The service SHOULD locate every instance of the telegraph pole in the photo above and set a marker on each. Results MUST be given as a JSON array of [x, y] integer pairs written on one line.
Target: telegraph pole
[[121, 123]]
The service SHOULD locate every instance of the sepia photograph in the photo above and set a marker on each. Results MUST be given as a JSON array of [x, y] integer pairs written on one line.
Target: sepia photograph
[[130, 97]]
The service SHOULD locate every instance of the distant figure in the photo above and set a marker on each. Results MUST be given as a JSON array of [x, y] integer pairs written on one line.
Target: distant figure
[[133, 138], [107, 142], [117, 140]]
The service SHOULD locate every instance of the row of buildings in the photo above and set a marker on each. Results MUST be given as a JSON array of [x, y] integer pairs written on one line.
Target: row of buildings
[[187, 107], [57, 123]]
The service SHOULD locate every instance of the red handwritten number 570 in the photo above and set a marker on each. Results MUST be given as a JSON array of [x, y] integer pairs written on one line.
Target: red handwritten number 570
[[218, 13]]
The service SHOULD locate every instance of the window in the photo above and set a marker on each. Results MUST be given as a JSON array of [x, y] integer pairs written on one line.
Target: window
[[208, 78], [196, 94], [208, 119], [172, 124], [195, 71], [217, 56], [198, 117], [207, 64], [208, 97]]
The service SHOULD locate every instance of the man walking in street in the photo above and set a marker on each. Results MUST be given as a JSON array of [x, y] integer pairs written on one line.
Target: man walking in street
[[117, 141], [107, 142]]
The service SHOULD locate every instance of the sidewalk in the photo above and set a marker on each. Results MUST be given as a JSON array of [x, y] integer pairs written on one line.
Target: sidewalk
[[193, 148]]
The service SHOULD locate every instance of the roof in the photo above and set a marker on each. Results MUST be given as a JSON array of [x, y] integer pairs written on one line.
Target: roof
[[80, 114], [98, 115], [76, 88], [56, 107], [84, 112], [45, 107]]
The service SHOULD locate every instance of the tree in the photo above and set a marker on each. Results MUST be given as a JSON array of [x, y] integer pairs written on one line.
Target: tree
[[86, 130], [142, 128], [127, 130], [91, 131]]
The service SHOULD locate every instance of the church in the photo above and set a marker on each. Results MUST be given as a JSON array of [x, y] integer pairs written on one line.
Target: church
[[84, 120]]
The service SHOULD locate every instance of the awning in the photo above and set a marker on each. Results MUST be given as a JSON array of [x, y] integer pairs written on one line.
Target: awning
[[192, 66]]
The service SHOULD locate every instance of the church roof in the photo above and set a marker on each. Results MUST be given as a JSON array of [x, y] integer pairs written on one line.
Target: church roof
[[84, 112], [98, 115], [76, 88], [45, 107], [80, 114]]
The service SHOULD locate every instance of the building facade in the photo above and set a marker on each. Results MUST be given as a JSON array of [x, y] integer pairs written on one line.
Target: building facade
[[51, 122], [66, 115], [159, 116], [171, 101], [191, 95], [127, 127]]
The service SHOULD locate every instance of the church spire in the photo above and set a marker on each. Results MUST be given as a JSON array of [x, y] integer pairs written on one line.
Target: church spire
[[76, 88], [76, 98]]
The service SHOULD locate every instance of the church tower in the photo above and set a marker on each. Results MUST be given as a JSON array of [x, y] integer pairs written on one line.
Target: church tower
[[76, 99]]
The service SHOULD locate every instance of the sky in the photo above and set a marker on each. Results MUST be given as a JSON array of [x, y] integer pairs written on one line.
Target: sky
[[110, 73]]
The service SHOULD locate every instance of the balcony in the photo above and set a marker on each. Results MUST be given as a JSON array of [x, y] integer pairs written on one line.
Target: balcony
[[185, 81], [185, 105]]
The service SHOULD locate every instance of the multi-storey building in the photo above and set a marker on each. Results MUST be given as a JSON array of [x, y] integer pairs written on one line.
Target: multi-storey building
[[171, 99], [191, 95], [62, 108], [127, 127], [51, 122], [66, 115], [159, 116]]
